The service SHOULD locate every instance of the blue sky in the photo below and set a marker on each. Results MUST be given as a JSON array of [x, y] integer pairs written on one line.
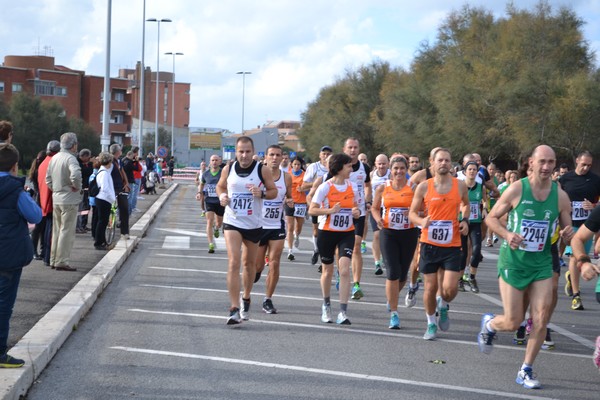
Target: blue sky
[[292, 48]]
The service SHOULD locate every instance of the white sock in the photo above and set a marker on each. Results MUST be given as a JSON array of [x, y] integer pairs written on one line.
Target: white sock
[[431, 319], [314, 239], [488, 326]]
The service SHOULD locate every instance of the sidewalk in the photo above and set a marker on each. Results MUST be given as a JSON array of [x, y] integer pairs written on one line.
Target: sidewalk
[[51, 303]]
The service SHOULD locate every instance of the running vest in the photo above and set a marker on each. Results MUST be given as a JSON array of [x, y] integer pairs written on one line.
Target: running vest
[[475, 196], [443, 211], [298, 197], [395, 205], [210, 186], [535, 221], [273, 209], [359, 177], [244, 211], [342, 220], [377, 180]]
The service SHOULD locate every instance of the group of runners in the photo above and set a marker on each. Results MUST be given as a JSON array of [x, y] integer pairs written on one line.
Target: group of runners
[[426, 222]]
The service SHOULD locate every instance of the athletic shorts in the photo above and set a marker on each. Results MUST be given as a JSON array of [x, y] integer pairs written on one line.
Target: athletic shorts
[[520, 279], [315, 219], [252, 235], [215, 207], [587, 245], [398, 249], [272, 234], [289, 211], [555, 258], [433, 258], [359, 226], [373, 223], [329, 241]]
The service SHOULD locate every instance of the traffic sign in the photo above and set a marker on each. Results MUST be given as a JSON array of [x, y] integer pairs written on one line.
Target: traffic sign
[[261, 153], [292, 154], [161, 151]]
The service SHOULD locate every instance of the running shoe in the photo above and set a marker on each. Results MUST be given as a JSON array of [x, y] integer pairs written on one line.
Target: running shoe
[[461, 285], [561, 262], [443, 318], [431, 332], [548, 342], [291, 256], [528, 326], [342, 319], [495, 239], [597, 353], [315, 257], [525, 377], [568, 287], [7, 361], [520, 337], [203, 214], [378, 269], [216, 232], [326, 314], [474, 286], [598, 295], [486, 337], [357, 292], [268, 307], [489, 243], [320, 269], [211, 248], [576, 303], [296, 241], [245, 311], [363, 247], [234, 317], [420, 278], [394, 321], [411, 297]]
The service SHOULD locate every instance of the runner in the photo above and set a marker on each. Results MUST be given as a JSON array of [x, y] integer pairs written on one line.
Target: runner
[[240, 192], [295, 214], [335, 204], [534, 204], [360, 175], [398, 236], [443, 197], [472, 242], [314, 171], [379, 176], [273, 225], [583, 188], [207, 195]]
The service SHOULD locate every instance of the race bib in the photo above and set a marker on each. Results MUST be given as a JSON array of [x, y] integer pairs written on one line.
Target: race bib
[[440, 232], [579, 213], [272, 210], [474, 211], [300, 210], [398, 218], [341, 220], [535, 234], [361, 193], [211, 190], [241, 203]]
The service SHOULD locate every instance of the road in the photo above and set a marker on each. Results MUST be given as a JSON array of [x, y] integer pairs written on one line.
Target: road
[[159, 332]]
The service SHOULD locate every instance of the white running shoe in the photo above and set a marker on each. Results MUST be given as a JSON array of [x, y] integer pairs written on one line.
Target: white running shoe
[[326, 314]]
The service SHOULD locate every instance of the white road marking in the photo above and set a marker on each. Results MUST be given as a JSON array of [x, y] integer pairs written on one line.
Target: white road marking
[[340, 374], [176, 242]]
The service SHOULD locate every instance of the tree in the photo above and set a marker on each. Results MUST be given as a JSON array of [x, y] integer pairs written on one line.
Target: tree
[[164, 139]]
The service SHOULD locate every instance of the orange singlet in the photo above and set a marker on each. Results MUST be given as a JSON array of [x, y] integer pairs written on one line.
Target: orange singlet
[[340, 221], [395, 204], [298, 197], [443, 211]]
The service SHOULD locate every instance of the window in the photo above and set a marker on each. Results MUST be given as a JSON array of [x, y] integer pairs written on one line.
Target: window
[[17, 87], [119, 96], [44, 88], [61, 91], [117, 139], [1, 87]]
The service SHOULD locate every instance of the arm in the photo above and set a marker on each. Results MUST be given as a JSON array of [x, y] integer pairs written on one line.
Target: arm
[[465, 208], [28, 208], [270, 188], [368, 195], [588, 269], [506, 203], [288, 189], [564, 208], [376, 208], [313, 189], [417, 205], [315, 206], [222, 186], [309, 177]]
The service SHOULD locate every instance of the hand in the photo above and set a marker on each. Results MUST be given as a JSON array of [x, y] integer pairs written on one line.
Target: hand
[[567, 234], [463, 227], [336, 208], [224, 199], [514, 240], [199, 196], [355, 212], [380, 223], [368, 206], [587, 205], [426, 221], [256, 191], [589, 271], [289, 202]]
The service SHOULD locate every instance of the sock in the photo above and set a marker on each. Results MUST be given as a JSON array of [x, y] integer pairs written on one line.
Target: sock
[[394, 312], [526, 366], [431, 319], [343, 307], [576, 294], [327, 301], [377, 263], [266, 298], [245, 300], [411, 286], [443, 302], [315, 243], [524, 323], [356, 283], [488, 326]]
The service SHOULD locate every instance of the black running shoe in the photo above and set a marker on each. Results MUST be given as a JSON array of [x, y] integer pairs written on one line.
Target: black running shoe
[[268, 307], [315, 258], [520, 337], [7, 361]]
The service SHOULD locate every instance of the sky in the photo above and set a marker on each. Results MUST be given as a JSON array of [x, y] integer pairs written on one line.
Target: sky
[[292, 48]]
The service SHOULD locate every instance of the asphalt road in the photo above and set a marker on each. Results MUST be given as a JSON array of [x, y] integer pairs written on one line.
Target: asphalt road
[[158, 332]]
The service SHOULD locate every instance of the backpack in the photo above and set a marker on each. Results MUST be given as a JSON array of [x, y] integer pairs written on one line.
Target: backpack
[[93, 188]]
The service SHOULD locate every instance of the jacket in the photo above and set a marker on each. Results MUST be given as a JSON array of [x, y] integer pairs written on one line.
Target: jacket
[[64, 178]]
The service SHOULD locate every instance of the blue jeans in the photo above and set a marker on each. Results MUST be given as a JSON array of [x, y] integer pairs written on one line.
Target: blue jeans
[[9, 284], [133, 194]]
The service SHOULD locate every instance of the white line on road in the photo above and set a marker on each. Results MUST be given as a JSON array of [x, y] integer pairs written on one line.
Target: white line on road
[[341, 374], [176, 242], [350, 330]]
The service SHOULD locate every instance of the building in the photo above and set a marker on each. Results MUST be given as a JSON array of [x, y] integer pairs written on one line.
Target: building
[[82, 95]]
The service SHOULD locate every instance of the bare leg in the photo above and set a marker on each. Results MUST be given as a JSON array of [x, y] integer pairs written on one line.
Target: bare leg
[[233, 240]]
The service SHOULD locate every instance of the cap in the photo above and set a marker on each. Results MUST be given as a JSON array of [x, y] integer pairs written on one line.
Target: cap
[[327, 148], [53, 146]]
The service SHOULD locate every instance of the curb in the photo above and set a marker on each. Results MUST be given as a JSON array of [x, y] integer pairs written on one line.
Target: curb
[[43, 341]]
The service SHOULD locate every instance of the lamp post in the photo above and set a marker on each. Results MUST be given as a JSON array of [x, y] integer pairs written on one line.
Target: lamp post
[[142, 81], [173, 103], [158, 21], [105, 138], [243, 74]]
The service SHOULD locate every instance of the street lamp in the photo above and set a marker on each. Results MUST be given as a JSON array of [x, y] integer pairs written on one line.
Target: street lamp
[[243, 74], [158, 21], [142, 81], [173, 103]]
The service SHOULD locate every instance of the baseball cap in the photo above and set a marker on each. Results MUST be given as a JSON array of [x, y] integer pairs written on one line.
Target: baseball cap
[[327, 148]]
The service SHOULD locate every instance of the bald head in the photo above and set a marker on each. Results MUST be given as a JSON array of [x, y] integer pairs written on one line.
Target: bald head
[[381, 163], [542, 161]]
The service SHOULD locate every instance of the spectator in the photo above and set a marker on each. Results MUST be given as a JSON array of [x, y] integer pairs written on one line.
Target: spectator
[[171, 166], [138, 170], [6, 132], [17, 208], [37, 235], [104, 199], [52, 149], [91, 199], [84, 207], [121, 186], [64, 179], [150, 161], [128, 168]]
